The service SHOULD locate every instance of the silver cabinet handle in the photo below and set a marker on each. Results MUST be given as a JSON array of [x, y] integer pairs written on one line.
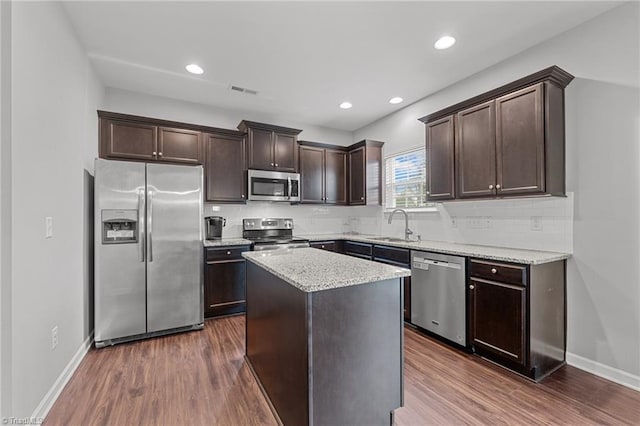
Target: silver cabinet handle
[[498, 186], [272, 164], [471, 287], [141, 239], [242, 195], [322, 246], [362, 198], [276, 164], [494, 271], [490, 186], [228, 252], [150, 224], [160, 154], [154, 153]]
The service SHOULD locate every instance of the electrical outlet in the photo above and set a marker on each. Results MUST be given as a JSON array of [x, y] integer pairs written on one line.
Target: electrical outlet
[[54, 337], [536, 223], [488, 222], [48, 222], [454, 221]]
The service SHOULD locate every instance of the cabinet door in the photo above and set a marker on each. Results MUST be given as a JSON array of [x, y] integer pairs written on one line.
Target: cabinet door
[[261, 149], [476, 151], [128, 140], [498, 319], [179, 145], [285, 150], [225, 177], [224, 290], [312, 174], [440, 159], [335, 181], [520, 142], [357, 178]]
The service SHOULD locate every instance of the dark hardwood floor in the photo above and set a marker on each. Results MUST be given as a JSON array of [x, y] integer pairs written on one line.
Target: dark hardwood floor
[[201, 378]]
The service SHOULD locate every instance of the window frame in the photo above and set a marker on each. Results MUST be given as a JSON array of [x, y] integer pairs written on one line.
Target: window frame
[[430, 207]]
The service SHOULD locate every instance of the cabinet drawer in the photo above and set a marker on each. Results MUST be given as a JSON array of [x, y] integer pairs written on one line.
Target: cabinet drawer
[[394, 254], [352, 247], [324, 245], [225, 253], [502, 272]]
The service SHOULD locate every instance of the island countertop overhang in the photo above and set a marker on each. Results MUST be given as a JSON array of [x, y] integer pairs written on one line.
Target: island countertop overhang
[[310, 269]]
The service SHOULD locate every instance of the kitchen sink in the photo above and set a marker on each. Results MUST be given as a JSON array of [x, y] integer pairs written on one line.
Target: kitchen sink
[[392, 240]]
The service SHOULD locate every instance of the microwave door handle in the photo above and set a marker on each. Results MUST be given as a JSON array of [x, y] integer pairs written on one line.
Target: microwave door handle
[[289, 192]]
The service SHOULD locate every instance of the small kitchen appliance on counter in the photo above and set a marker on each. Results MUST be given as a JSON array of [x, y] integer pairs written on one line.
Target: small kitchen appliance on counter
[[213, 227], [271, 234]]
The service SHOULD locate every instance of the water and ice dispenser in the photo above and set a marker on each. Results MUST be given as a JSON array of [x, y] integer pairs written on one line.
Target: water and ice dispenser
[[120, 226]]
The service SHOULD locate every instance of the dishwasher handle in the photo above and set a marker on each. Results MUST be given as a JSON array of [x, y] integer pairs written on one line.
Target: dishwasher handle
[[442, 263]]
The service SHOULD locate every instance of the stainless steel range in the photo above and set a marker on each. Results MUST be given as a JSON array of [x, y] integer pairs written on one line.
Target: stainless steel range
[[271, 234]]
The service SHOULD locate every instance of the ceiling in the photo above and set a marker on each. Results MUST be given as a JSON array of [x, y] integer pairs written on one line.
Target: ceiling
[[305, 58]]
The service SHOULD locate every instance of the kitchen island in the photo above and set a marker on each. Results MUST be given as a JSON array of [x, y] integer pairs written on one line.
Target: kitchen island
[[324, 336]]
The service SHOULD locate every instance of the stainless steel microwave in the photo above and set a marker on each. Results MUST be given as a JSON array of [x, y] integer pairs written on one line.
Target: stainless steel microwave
[[273, 186]]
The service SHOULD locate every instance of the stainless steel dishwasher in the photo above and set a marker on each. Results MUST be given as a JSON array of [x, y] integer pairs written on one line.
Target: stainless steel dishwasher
[[438, 294]]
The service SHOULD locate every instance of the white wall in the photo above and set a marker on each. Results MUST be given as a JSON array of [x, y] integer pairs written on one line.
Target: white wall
[[5, 208], [54, 139], [127, 102], [602, 172]]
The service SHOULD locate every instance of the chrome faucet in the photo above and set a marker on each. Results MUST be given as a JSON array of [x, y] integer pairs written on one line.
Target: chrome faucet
[[407, 231]]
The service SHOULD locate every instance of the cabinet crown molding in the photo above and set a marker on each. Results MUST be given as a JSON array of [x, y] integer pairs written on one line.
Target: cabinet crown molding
[[109, 115], [245, 124], [553, 74]]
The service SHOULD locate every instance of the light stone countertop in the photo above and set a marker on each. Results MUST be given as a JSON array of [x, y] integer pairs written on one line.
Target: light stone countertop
[[529, 257], [310, 269], [226, 242]]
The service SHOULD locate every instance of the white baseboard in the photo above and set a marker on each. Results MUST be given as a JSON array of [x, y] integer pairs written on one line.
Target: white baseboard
[[45, 405], [618, 376]]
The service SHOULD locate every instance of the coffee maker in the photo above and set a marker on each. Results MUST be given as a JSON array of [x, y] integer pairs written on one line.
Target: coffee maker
[[213, 227]]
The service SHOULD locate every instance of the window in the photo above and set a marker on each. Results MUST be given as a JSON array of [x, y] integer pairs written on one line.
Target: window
[[406, 180]]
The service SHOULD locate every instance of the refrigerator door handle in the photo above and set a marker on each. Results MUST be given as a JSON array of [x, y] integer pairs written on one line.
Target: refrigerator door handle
[[150, 224], [141, 238]]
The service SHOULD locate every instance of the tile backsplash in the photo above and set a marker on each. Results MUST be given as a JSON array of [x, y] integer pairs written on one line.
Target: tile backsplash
[[529, 223]]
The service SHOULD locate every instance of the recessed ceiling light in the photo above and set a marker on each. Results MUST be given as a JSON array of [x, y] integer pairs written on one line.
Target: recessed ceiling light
[[194, 69], [345, 105], [395, 100], [444, 42]]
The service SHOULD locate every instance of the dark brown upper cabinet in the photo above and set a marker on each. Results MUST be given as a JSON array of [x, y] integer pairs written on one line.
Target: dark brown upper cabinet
[[335, 172], [120, 139], [271, 147], [225, 166], [365, 173], [520, 161], [441, 166], [476, 147], [179, 145], [128, 137], [508, 141], [323, 172]]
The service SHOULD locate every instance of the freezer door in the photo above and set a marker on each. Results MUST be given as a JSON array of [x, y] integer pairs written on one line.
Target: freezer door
[[119, 253], [174, 246], [438, 295]]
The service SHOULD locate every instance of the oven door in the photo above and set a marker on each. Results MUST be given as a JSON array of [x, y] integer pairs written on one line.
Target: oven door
[[273, 186]]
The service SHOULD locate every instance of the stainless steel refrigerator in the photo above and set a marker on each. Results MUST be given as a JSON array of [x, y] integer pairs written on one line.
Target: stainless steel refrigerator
[[148, 250]]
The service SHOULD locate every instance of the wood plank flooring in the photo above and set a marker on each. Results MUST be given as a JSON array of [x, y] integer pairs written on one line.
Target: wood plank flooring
[[201, 378]]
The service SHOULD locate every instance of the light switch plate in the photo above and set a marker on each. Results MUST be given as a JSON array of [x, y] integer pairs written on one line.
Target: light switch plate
[[48, 221], [536, 223]]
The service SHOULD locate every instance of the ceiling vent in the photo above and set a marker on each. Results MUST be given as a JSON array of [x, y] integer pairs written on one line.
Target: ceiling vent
[[244, 90]]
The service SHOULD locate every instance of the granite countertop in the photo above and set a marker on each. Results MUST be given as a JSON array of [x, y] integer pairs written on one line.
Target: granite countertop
[[224, 242], [310, 269], [529, 257]]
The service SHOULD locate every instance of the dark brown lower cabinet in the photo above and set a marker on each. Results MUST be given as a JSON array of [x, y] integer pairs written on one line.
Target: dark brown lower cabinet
[[397, 257], [517, 315], [324, 245], [224, 281]]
